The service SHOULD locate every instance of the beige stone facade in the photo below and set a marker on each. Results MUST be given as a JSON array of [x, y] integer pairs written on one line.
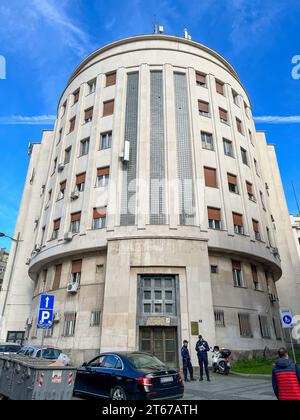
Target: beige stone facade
[[154, 265]]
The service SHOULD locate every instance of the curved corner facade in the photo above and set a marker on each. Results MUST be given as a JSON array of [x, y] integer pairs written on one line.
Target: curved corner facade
[[153, 223]]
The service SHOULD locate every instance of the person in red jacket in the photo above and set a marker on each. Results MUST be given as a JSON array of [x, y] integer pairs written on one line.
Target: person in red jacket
[[286, 377]]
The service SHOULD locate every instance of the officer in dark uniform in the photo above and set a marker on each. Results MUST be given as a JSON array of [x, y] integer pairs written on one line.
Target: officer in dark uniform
[[186, 362], [202, 348]]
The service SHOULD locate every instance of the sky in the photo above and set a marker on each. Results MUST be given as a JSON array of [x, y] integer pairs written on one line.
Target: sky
[[42, 41]]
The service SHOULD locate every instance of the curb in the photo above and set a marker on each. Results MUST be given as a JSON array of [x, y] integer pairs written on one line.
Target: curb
[[252, 375]]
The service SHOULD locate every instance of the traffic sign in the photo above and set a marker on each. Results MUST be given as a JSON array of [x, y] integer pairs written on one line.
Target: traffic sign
[[286, 318], [45, 319]]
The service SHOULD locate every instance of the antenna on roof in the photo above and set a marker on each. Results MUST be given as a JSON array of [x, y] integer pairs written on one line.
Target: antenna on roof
[[158, 29], [186, 34]]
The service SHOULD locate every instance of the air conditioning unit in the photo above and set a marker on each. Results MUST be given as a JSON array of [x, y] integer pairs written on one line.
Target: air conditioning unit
[[61, 167], [73, 287], [74, 195], [68, 236], [56, 317]]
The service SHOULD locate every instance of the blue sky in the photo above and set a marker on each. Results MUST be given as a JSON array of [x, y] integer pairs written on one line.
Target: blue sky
[[43, 41]]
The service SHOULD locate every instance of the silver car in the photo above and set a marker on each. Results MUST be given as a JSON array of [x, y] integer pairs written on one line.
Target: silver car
[[49, 353], [9, 348]]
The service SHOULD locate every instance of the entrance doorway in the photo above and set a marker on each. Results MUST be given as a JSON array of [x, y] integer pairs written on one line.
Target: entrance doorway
[[162, 342]]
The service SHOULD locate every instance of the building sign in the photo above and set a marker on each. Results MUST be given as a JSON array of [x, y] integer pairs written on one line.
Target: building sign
[[194, 328], [158, 321]]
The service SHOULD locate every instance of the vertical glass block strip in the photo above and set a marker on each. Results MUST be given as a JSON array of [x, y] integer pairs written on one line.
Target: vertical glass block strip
[[184, 151], [128, 202], [157, 150]]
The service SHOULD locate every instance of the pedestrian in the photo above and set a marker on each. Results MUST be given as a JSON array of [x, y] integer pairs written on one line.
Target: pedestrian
[[286, 377], [202, 348], [186, 362]]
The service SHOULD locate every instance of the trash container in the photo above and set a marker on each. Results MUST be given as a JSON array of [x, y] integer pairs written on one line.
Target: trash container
[[25, 378]]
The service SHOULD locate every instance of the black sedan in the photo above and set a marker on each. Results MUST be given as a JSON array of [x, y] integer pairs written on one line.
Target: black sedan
[[128, 376]]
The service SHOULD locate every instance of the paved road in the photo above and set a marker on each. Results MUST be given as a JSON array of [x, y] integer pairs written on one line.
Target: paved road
[[229, 388]]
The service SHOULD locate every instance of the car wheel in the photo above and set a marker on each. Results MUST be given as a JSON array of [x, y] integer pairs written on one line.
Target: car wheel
[[118, 393]]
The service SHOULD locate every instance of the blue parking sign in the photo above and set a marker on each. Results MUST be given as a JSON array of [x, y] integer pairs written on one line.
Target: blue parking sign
[[45, 319]]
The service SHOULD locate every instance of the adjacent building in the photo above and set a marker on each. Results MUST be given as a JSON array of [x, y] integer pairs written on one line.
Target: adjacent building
[[149, 211], [3, 261]]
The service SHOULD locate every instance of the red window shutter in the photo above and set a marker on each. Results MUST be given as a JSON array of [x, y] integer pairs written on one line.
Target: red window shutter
[[254, 272], [76, 95], [99, 213], [111, 79], [210, 176], [214, 214], [236, 265], [88, 113], [57, 277], [239, 125], [72, 124], [63, 185], [103, 171], [56, 224], [249, 188], [237, 219], [255, 226], [108, 108], [75, 217], [80, 179], [76, 266], [220, 87], [223, 114], [232, 179], [201, 78], [203, 106]]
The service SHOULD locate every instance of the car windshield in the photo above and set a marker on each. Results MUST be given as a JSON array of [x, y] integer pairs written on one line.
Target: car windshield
[[146, 361], [51, 354]]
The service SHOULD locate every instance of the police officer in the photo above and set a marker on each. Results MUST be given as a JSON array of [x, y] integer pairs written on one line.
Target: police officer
[[202, 348], [186, 362]]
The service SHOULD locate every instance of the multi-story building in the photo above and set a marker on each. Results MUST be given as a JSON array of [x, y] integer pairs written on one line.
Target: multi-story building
[[295, 220], [146, 209], [3, 261]]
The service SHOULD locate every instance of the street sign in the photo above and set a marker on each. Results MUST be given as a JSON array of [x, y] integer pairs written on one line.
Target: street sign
[[45, 319], [286, 318]]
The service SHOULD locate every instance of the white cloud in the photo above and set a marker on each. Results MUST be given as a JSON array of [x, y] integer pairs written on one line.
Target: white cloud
[[32, 120], [273, 119]]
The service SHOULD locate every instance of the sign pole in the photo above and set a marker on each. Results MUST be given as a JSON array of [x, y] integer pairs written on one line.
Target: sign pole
[[292, 344]]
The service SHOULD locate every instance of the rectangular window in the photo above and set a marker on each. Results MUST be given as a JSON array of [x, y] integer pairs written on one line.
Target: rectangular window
[[228, 149], [105, 140], [99, 218], [223, 115], [62, 190], [235, 97], [238, 280], [88, 115], [220, 87], [54, 166], [75, 222], [256, 167], [255, 224], [56, 227], [214, 218], [76, 96], [84, 147], [76, 272], [72, 124], [92, 86], [247, 110], [262, 200], [255, 277], [232, 183], [67, 155], [159, 295], [244, 156], [219, 318], [207, 140], [108, 108], [210, 176], [111, 79], [80, 182], [57, 277], [63, 109], [102, 177], [264, 326], [277, 328], [203, 108], [214, 269], [95, 318], [249, 187], [245, 325], [251, 137], [239, 126], [60, 135], [238, 223], [69, 325], [201, 79]]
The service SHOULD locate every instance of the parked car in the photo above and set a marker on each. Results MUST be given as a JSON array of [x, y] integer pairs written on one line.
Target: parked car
[[128, 376], [9, 348], [50, 353]]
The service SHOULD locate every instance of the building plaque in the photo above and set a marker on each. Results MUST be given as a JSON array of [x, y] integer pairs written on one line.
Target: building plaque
[[194, 328]]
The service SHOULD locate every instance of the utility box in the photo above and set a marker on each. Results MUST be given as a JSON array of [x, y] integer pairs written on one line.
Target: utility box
[[25, 378]]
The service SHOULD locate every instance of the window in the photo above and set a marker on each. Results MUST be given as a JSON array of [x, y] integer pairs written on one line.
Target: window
[[255, 224], [207, 140], [63, 109], [111, 79], [60, 135], [220, 87], [223, 115], [88, 115], [159, 295], [269, 237], [264, 326], [201, 79], [67, 155], [99, 218], [56, 227], [256, 167], [62, 190], [57, 277], [54, 166], [108, 108], [262, 200], [75, 222], [277, 328], [69, 325], [76, 272], [235, 97], [105, 140], [76, 96], [238, 280], [244, 156], [92, 86], [247, 110], [49, 199], [102, 177], [72, 124], [255, 277], [214, 218], [214, 269], [43, 235], [80, 182], [228, 149], [249, 187], [219, 318], [210, 176], [245, 325], [251, 137], [203, 108], [232, 183], [238, 223], [95, 318], [239, 126], [84, 147]]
